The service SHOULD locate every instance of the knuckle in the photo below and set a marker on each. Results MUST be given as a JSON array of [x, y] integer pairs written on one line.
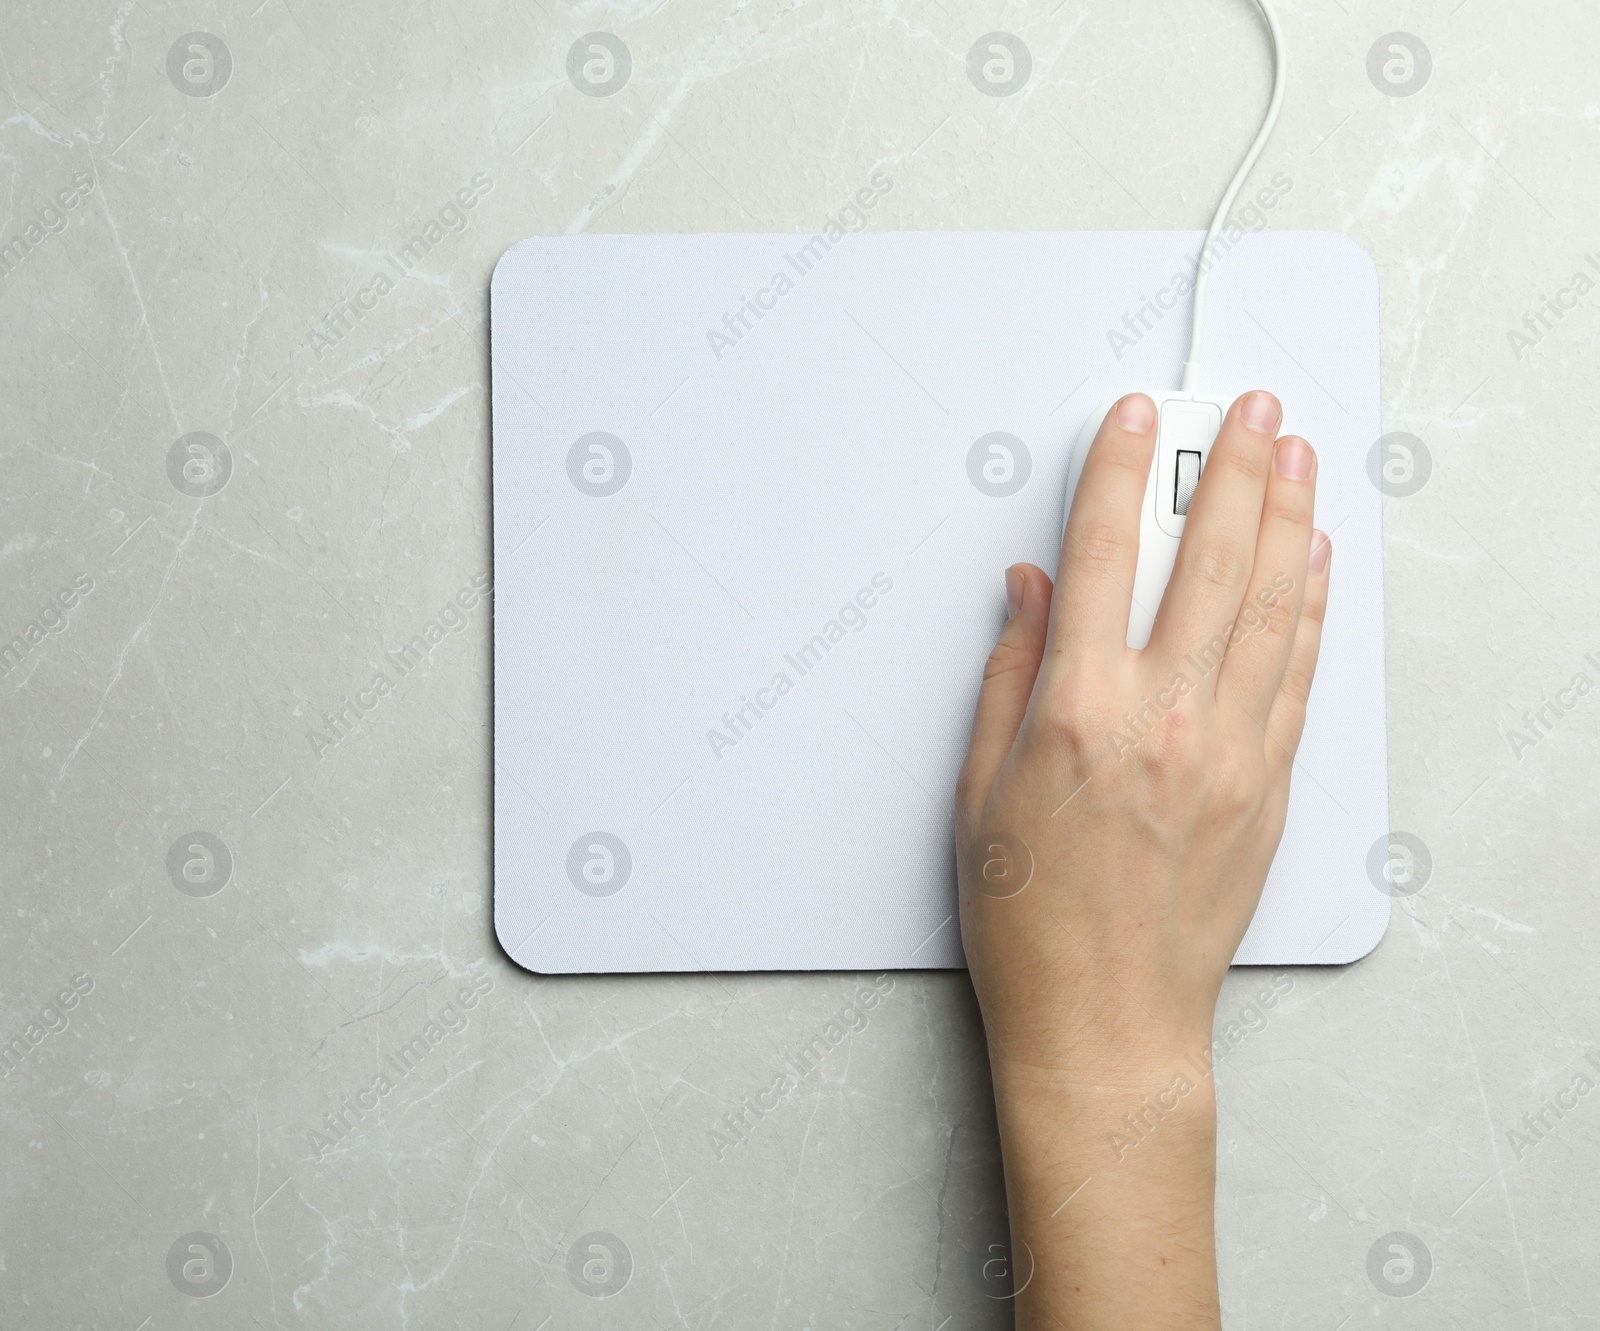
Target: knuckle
[[1239, 783], [1249, 463], [1218, 563], [1008, 658], [1296, 683], [1123, 455], [1173, 751], [1099, 543], [1276, 618], [1288, 508], [1073, 715], [1186, 764]]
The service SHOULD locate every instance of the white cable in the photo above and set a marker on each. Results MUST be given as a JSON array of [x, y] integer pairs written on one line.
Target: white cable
[[1191, 367]]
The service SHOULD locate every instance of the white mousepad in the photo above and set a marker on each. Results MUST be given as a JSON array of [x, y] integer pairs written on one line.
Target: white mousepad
[[750, 522]]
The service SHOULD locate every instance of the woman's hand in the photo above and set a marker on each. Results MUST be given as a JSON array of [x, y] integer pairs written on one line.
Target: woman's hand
[[1116, 815]]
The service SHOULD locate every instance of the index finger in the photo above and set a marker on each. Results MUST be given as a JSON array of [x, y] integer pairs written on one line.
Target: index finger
[[1100, 550]]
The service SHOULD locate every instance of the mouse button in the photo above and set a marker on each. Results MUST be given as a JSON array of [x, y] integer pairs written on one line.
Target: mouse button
[[1190, 424]]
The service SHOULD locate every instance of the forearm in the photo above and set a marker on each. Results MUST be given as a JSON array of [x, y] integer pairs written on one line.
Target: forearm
[[1111, 1181]]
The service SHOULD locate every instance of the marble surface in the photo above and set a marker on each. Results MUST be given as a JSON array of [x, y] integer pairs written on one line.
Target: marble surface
[[263, 1062]]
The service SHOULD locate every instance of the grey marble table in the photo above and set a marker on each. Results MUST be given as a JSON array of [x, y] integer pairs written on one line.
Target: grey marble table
[[261, 1061]]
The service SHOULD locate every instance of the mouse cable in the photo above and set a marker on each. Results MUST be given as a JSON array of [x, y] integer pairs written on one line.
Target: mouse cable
[[1191, 367]]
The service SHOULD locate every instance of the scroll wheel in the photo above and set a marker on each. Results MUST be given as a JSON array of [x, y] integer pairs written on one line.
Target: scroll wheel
[[1188, 478]]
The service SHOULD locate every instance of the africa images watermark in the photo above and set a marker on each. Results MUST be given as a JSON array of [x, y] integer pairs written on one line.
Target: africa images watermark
[[1252, 619], [51, 618], [344, 719], [1151, 310], [750, 310], [1543, 319], [851, 616], [450, 1019], [52, 1020], [1539, 1123], [735, 1128], [1142, 1123], [47, 221], [1541, 721], [450, 219]]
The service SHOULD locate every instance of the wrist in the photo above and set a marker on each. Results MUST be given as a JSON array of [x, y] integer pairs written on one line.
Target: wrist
[[1109, 1066], [1096, 1116]]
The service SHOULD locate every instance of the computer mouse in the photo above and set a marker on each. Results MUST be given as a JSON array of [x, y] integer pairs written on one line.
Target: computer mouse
[[1186, 427]]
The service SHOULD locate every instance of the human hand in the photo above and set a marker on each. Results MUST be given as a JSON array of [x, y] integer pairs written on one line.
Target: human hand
[[1118, 811]]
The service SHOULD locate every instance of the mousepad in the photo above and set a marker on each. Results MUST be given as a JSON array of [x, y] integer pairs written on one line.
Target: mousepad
[[753, 497]]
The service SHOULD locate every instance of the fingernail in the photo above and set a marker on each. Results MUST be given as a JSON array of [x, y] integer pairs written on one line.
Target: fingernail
[[1136, 413], [1294, 457], [1015, 584], [1261, 412], [1321, 550]]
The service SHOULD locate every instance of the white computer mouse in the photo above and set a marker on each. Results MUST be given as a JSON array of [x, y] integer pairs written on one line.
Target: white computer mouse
[[1186, 427]]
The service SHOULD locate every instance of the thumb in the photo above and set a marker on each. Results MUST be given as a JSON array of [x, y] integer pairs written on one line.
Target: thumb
[[1007, 685]]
